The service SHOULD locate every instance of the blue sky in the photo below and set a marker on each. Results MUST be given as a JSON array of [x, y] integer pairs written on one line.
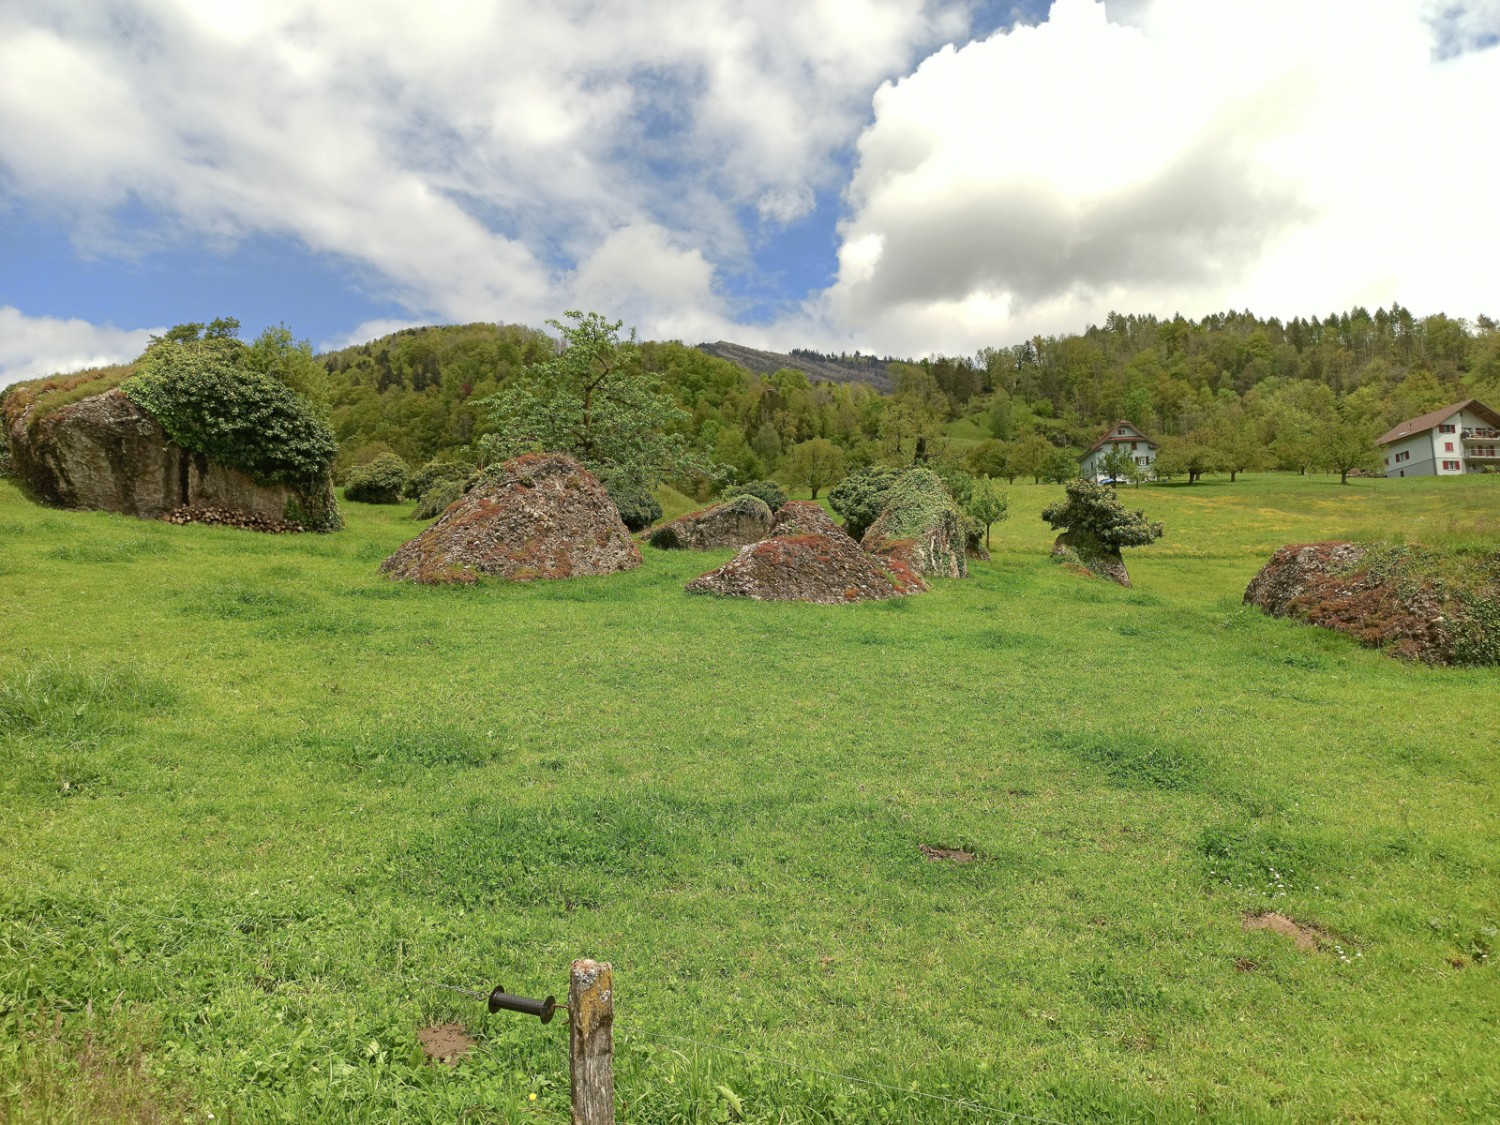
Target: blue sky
[[902, 176]]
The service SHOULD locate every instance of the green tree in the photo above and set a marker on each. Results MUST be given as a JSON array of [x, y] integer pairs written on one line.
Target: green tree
[[594, 401], [1344, 446], [1058, 466], [1191, 456], [279, 354], [988, 504], [815, 464], [1093, 513], [1029, 454], [991, 458], [861, 497]]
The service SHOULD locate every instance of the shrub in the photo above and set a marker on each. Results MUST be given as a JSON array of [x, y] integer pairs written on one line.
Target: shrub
[[379, 482], [435, 501], [861, 497], [638, 508], [766, 490], [1094, 513], [209, 403], [429, 476]]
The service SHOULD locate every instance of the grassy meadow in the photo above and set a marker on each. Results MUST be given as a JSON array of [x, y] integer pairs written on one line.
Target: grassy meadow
[[254, 799]]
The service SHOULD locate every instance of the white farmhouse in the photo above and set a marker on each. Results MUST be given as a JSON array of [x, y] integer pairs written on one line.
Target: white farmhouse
[[1124, 436], [1463, 438]]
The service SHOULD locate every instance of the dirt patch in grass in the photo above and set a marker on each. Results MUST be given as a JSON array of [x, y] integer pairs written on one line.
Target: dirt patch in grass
[[1306, 937], [446, 1043], [952, 855]]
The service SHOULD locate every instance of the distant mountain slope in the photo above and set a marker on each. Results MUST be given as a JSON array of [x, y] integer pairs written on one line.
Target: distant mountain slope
[[818, 368]]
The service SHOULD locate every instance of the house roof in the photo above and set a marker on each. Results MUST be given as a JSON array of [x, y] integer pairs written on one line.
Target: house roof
[[1435, 417], [1111, 436]]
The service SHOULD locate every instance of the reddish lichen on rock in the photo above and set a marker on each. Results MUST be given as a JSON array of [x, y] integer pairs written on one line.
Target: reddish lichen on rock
[[1331, 585], [826, 569], [538, 516]]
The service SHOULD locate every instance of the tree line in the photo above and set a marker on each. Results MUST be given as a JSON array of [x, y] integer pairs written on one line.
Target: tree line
[[1229, 393]]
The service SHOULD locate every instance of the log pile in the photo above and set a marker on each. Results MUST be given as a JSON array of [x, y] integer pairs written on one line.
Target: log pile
[[231, 517]]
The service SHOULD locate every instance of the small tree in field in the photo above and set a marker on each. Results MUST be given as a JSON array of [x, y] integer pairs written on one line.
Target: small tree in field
[[989, 505], [1093, 517], [815, 464]]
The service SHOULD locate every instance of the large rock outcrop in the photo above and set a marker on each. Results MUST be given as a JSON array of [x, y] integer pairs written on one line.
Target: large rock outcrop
[[828, 569], [921, 527], [1411, 602], [734, 523], [537, 516], [106, 453], [1090, 555]]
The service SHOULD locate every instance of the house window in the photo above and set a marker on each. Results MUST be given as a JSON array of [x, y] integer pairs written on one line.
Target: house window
[[1447, 447], [1122, 431], [1448, 428], [1451, 466]]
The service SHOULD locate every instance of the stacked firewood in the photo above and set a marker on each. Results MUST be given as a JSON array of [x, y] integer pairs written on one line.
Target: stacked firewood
[[231, 517]]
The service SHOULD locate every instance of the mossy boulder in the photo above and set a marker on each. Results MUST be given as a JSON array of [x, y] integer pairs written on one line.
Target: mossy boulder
[[803, 517], [1076, 548], [107, 453], [734, 523], [537, 516], [1417, 603], [921, 527], [826, 569]]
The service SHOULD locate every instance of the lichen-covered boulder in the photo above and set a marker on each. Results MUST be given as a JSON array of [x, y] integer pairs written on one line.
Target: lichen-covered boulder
[[106, 453], [734, 523], [537, 516], [1080, 550], [921, 527], [803, 517], [1412, 602], [827, 569]]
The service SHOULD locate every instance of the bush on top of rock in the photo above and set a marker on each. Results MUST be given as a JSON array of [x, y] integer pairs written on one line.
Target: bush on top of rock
[[767, 490], [1094, 526]]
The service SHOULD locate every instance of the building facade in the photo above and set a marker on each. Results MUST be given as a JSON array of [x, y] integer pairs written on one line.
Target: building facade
[[1127, 438], [1458, 439]]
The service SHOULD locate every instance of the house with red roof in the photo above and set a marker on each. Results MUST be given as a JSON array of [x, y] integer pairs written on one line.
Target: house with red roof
[[1462, 438], [1127, 438]]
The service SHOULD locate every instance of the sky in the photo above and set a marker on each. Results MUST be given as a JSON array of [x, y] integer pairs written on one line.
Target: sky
[[904, 177]]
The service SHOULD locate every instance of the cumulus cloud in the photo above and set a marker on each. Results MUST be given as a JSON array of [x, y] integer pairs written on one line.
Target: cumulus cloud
[[32, 346], [473, 153], [1204, 155]]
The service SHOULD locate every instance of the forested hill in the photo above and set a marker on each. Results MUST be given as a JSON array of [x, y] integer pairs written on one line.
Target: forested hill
[[1232, 380], [817, 367]]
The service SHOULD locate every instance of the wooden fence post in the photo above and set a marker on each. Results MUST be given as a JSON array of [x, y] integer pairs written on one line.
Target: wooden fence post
[[591, 1042]]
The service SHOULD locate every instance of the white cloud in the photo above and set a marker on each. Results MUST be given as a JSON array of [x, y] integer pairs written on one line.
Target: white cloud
[[1282, 156], [471, 151], [33, 346]]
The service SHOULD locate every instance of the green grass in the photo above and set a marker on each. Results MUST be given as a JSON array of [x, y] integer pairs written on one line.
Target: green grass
[[252, 794]]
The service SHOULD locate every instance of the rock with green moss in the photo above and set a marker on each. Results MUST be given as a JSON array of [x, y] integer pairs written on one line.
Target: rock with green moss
[[921, 526], [1417, 603], [735, 523]]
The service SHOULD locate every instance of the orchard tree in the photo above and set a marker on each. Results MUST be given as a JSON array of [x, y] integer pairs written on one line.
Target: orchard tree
[[1345, 446], [988, 504], [594, 400], [815, 464]]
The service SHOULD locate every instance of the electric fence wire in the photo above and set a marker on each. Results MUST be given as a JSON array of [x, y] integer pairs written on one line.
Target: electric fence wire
[[659, 1039]]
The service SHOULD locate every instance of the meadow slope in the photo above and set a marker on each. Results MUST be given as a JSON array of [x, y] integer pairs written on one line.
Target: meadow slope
[[253, 796]]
